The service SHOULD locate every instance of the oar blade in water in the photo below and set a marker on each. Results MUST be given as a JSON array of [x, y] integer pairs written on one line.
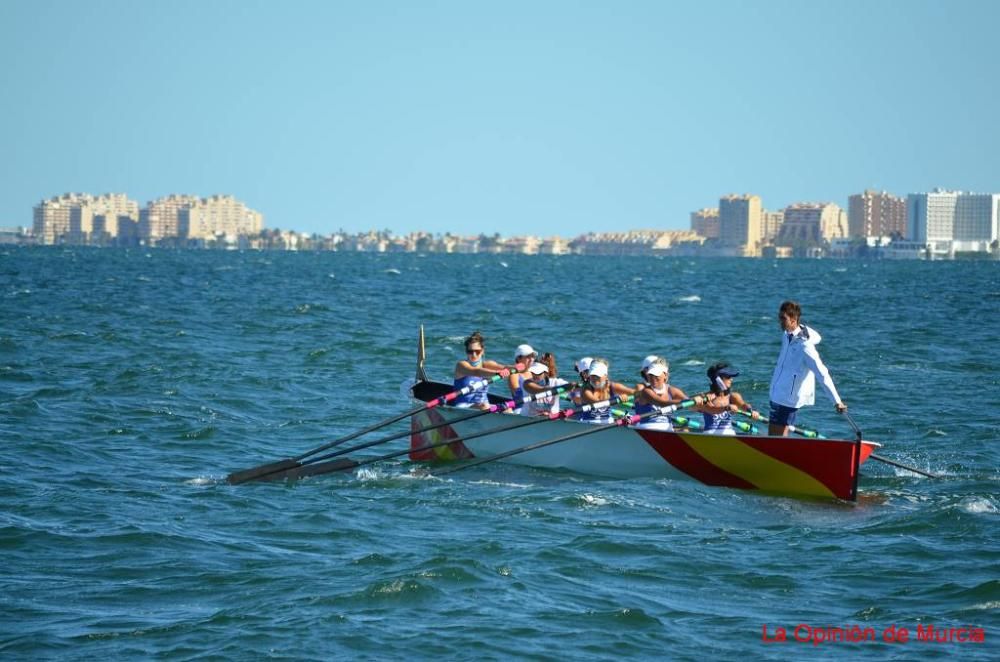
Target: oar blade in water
[[262, 471], [340, 464]]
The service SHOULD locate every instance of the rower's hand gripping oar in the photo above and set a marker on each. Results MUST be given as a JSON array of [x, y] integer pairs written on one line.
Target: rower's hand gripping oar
[[311, 468], [628, 420], [290, 463]]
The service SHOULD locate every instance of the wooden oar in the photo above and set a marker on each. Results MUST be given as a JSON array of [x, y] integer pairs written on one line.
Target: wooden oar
[[628, 420], [803, 432], [311, 468], [493, 409], [886, 460], [813, 434], [254, 473]]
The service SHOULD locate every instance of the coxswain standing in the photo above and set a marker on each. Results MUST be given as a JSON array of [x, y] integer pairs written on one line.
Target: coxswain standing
[[793, 384]]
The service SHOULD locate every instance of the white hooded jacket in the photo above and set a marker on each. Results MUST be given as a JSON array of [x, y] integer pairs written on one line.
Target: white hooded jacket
[[793, 383]]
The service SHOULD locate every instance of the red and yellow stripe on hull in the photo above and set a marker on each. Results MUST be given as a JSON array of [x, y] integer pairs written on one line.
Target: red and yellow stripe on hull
[[817, 467], [426, 418]]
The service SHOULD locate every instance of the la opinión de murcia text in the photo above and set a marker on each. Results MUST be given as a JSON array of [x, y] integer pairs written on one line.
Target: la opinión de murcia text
[[893, 634]]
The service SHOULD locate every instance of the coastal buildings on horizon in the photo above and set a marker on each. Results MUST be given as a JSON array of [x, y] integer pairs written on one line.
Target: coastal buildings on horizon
[[938, 224]]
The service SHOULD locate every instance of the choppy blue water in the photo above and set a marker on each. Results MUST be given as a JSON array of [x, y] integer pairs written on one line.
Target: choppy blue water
[[132, 382]]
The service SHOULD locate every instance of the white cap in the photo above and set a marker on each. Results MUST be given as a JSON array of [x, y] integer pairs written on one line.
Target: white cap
[[538, 368], [598, 369], [523, 350], [583, 365], [650, 360], [656, 369]]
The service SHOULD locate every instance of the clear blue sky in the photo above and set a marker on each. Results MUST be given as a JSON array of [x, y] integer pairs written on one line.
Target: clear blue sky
[[511, 117]]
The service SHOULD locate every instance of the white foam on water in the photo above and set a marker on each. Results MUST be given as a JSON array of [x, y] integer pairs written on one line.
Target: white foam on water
[[995, 604], [593, 500], [330, 275], [393, 271], [497, 483], [203, 480], [368, 474], [693, 362], [504, 265], [979, 506], [840, 270], [396, 586], [694, 298]]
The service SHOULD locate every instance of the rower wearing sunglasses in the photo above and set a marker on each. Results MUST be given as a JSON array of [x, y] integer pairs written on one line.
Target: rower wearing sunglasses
[[476, 369]]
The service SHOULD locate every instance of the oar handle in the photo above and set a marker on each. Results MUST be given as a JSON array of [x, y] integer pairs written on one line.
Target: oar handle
[[475, 386], [465, 390], [686, 422], [802, 432], [857, 430]]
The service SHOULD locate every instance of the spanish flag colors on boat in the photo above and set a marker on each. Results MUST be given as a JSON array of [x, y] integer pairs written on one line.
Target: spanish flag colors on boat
[[823, 468]]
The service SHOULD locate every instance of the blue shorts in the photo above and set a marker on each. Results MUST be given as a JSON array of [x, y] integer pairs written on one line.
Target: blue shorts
[[782, 415]]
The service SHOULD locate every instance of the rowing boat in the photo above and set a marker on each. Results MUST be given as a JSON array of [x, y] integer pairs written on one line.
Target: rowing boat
[[821, 468], [825, 468]]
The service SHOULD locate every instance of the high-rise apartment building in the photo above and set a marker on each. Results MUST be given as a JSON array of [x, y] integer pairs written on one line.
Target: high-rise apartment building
[[876, 214], [811, 224], [770, 225], [740, 223], [705, 222], [51, 217], [160, 219], [97, 220], [81, 218], [954, 220], [218, 215]]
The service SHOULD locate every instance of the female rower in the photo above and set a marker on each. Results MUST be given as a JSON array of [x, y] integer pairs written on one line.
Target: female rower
[[524, 357], [646, 362], [600, 388], [582, 368], [718, 411], [658, 393], [544, 376], [476, 369]]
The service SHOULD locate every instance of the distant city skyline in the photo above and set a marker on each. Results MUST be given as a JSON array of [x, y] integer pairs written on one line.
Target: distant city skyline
[[557, 118], [932, 225]]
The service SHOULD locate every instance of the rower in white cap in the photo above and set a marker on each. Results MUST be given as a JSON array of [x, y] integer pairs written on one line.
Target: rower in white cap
[[525, 356], [600, 388]]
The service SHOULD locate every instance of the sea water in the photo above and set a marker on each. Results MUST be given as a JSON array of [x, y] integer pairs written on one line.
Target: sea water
[[133, 381]]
